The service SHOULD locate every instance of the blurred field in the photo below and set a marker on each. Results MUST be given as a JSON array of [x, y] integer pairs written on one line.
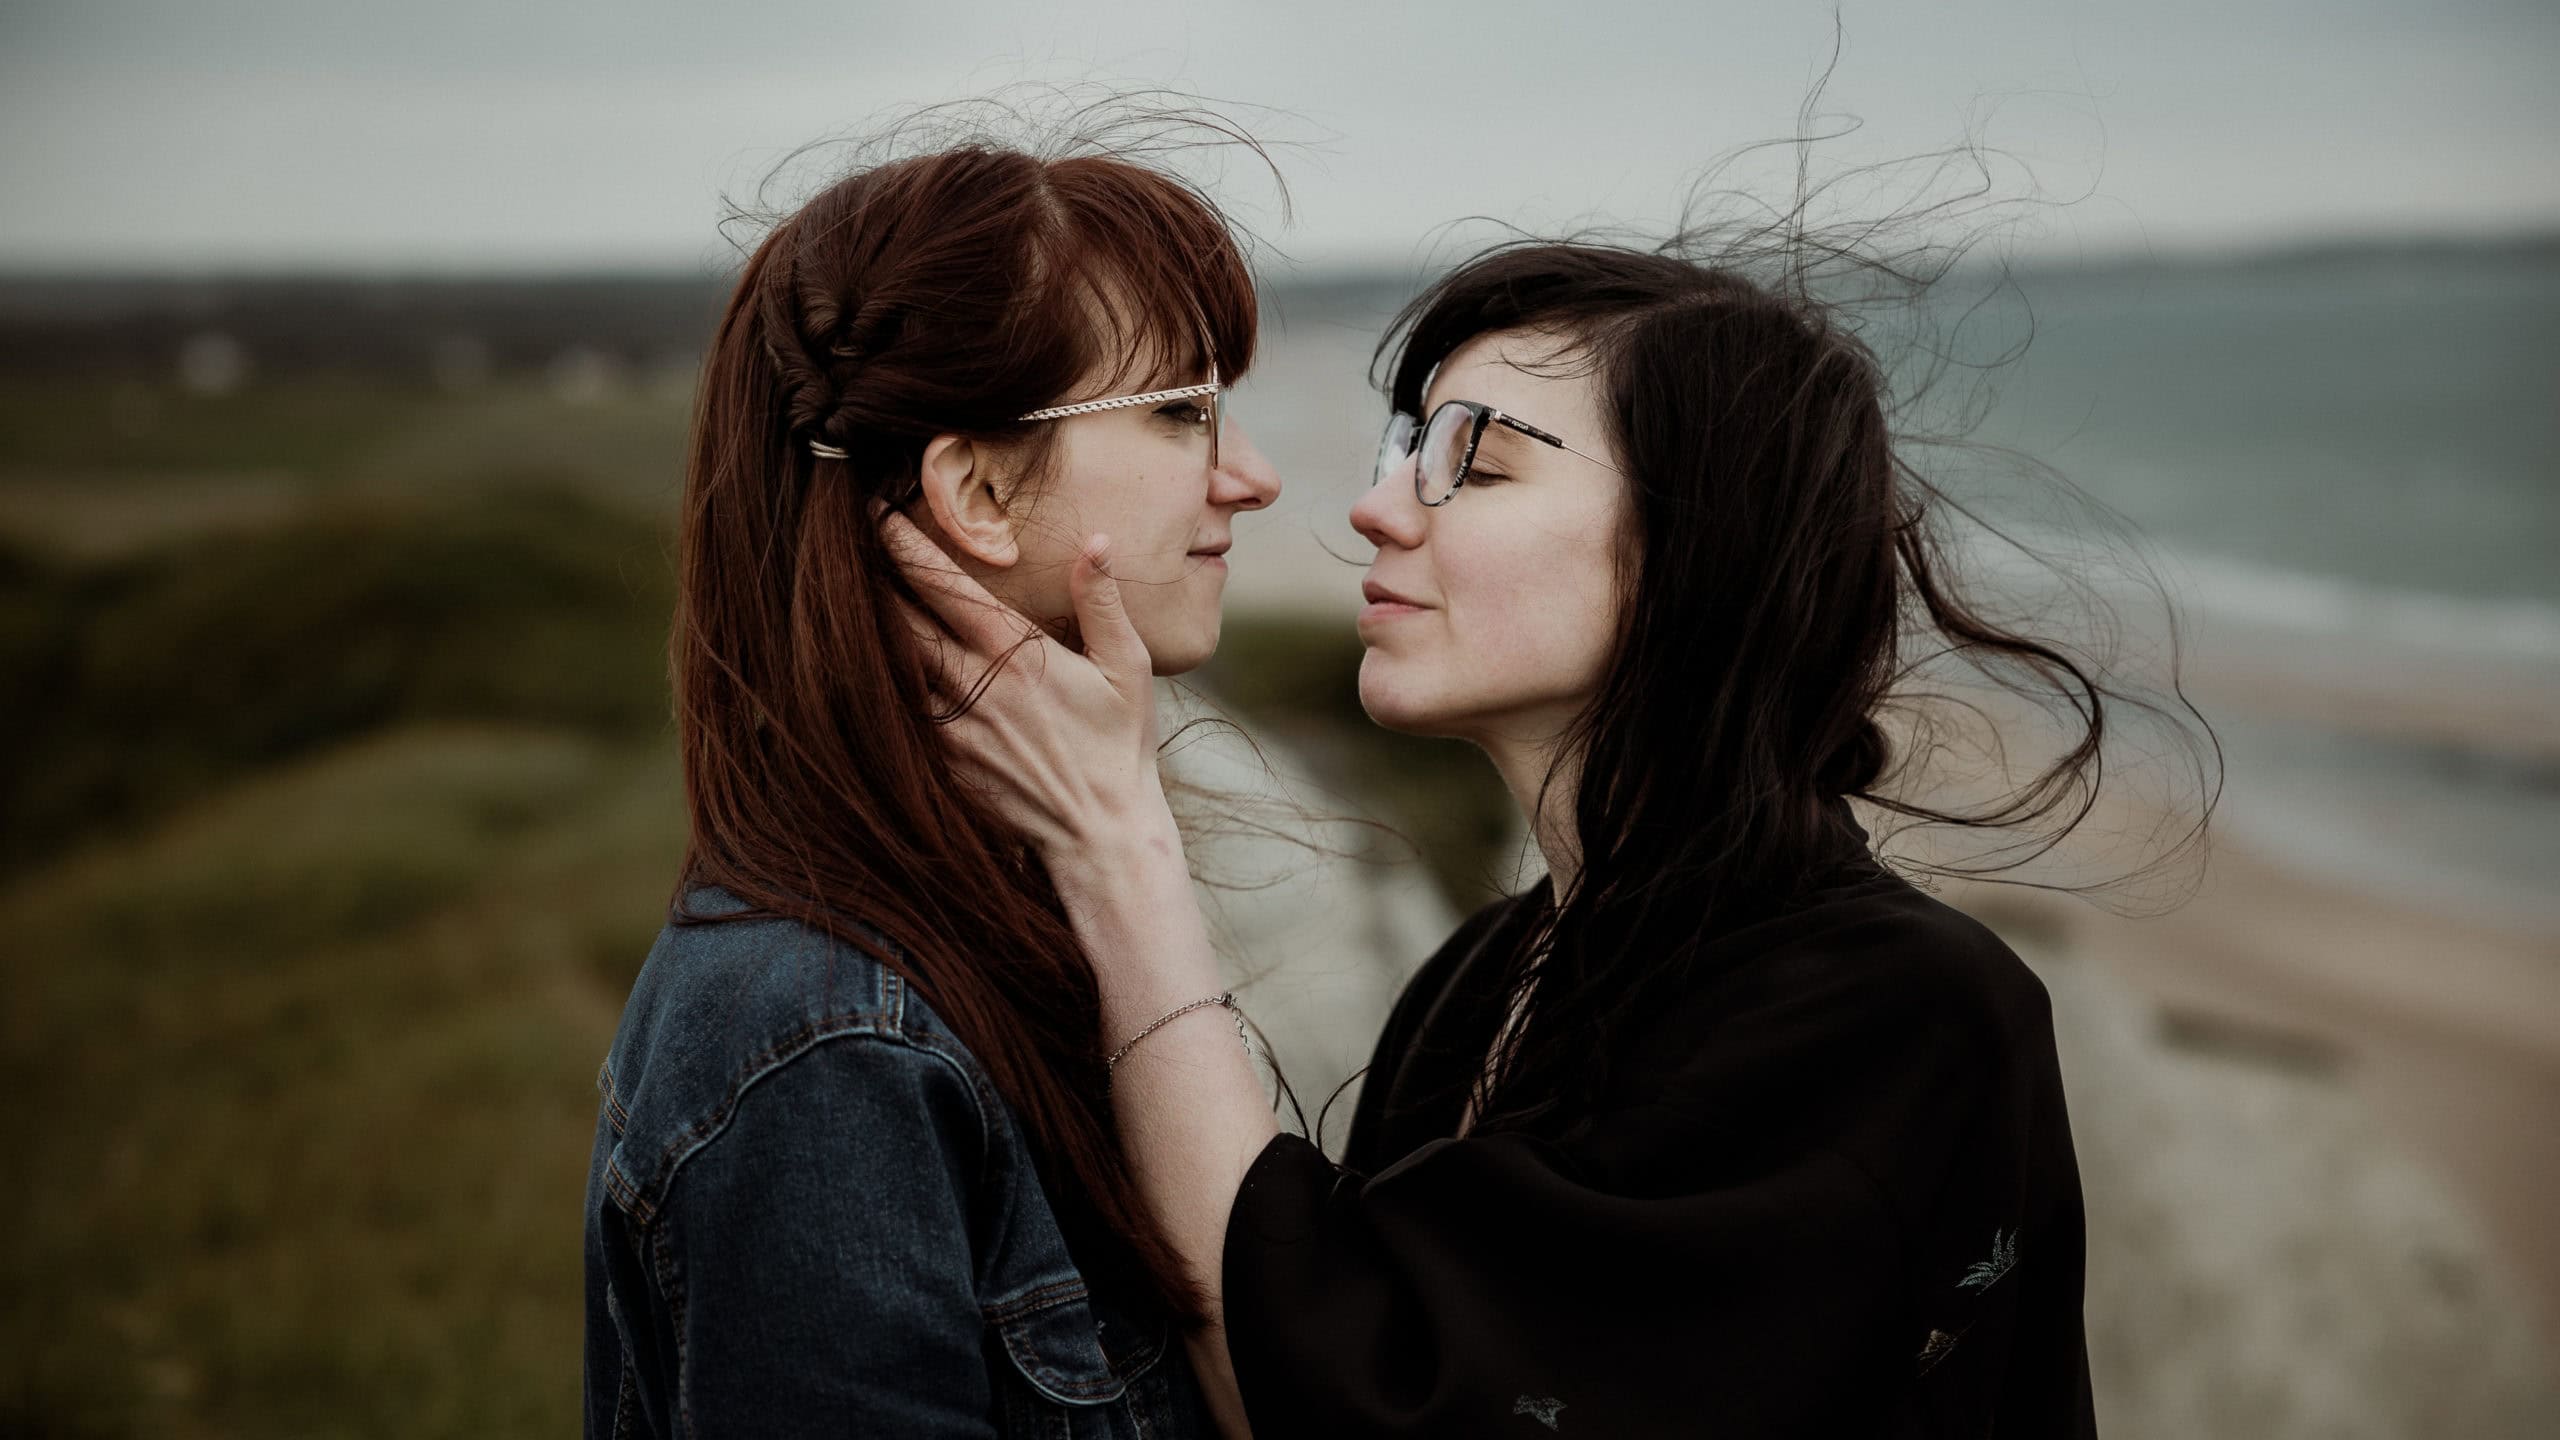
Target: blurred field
[[339, 806], [305, 1073]]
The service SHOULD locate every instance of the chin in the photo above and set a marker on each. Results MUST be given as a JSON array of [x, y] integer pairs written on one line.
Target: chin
[[1177, 655], [1394, 706]]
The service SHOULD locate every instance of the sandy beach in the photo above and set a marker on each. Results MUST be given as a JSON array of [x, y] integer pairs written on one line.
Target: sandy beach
[[2444, 1017], [2449, 1030]]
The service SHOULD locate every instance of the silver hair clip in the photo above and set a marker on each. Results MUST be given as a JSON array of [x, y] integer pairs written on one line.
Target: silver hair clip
[[825, 451]]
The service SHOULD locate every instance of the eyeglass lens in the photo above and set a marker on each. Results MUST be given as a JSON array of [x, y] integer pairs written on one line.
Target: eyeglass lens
[[1394, 446], [1444, 449], [1442, 441]]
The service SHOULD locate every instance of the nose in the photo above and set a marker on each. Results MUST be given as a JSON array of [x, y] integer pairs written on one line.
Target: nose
[[1244, 477], [1388, 513]]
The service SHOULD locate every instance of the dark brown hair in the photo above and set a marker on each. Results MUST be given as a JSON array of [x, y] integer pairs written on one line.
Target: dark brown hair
[[943, 293], [1788, 586]]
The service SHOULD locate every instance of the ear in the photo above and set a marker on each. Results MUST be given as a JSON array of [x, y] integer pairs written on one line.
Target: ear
[[959, 482]]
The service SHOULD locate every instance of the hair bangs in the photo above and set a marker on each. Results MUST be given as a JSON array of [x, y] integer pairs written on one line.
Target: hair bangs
[[1166, 288]]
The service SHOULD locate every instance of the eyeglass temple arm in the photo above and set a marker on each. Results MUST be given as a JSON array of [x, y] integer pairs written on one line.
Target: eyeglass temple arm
[[1534, 433]]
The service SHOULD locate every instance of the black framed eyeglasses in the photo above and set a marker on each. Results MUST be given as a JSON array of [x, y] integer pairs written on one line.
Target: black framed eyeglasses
[[1447, 443]]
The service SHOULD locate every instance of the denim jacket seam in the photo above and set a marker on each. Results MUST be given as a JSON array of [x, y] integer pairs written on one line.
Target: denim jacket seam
[[625, 1384], [641, 1202], [620, 1118], [626, 1401], [893, 999], [627, 1198], [1035, 1300], [646, 1214], [662, 1262], [691, 1140], [904, 1030], [1005, 1318]]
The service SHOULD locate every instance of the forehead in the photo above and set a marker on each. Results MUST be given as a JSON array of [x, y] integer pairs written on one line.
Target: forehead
[[1540, 376], [1137, 348]]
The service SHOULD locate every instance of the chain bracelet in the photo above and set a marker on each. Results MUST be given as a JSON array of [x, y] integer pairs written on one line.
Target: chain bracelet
[[1223, 997]]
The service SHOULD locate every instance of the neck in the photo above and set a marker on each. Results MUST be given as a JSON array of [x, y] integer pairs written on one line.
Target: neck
[[1524, 764]]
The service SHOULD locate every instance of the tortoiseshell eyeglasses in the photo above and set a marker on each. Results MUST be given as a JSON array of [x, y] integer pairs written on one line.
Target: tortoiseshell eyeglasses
[[1448, 442]]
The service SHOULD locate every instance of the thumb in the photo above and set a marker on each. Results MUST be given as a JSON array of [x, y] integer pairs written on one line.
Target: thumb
[[1110, 641]]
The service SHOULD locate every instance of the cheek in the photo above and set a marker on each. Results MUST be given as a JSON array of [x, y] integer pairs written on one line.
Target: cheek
[[1541, 600], [1136, 494], [1530, 617], [1130, 489]]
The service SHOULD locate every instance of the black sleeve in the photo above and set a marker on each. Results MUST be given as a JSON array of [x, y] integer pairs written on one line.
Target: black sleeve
[[1730, 1255]]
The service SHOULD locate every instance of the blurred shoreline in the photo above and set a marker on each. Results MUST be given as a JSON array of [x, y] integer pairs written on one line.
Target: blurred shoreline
[[2381, 911], [2448, 1027], [2429, 779]]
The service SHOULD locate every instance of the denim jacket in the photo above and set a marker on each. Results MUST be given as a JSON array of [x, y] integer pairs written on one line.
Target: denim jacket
[[808, 1212]]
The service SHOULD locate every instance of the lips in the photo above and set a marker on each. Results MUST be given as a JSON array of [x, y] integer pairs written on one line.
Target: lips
[[1385, 608], [1218, 549]]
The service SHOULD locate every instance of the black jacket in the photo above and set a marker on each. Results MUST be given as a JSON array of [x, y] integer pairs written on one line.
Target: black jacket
[[1831, 1193]]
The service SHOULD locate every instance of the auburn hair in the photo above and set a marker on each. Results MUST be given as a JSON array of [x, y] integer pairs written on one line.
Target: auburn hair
[[945, 293]]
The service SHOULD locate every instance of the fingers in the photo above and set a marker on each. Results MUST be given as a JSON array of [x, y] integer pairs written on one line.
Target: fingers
[[943, 656], [952, 672], [979, 619], [1110, 640]]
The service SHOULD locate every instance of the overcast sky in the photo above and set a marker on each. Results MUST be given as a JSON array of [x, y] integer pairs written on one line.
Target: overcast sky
[[517, 133]]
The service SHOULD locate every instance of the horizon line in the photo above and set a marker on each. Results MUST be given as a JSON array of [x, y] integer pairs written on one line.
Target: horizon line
[[1329, 270]]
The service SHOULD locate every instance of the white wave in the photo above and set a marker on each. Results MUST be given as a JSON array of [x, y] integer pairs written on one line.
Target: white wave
[[2330, 604], [2211, 586]]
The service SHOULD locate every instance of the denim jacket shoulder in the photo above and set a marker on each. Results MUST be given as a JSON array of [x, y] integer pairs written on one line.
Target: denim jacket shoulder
[[807, 1204], [721, 1006]]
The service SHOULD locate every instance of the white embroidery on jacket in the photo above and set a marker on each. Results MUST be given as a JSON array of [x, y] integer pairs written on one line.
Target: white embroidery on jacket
[[1544, 1408], [1987, 1273], [1981, 1276]]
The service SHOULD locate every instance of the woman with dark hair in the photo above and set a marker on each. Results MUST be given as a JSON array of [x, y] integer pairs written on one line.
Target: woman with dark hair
[[855, 1171], [1722, 1128]]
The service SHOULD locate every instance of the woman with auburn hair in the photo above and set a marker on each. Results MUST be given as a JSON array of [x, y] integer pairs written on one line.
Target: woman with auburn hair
[[1722, 1128], [855, 1168]]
